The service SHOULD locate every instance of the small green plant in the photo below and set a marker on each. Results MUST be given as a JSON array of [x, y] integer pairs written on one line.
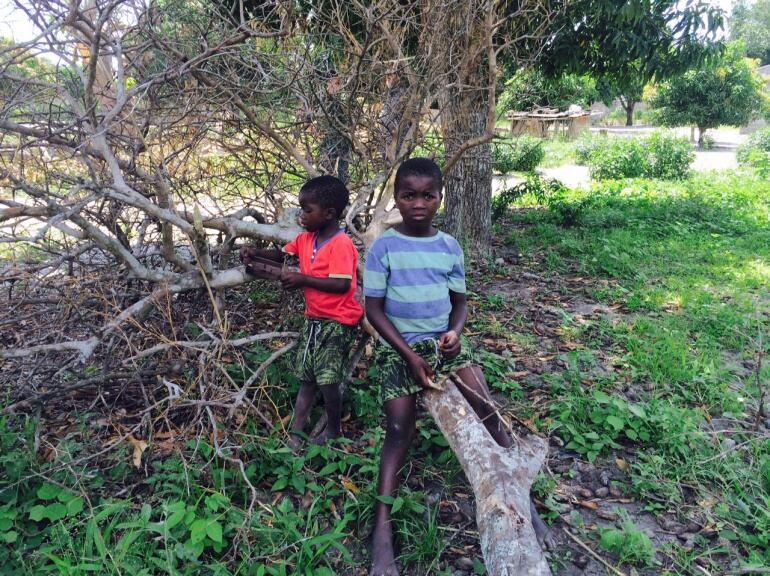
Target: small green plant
[[521, 154], [755, 152], [629, 544], [620, 158], [538, 186], [671, 156]]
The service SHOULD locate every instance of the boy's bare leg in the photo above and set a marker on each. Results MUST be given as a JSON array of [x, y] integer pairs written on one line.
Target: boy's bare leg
[[400, 414], [333, 405], [302, 406], [477, 394]]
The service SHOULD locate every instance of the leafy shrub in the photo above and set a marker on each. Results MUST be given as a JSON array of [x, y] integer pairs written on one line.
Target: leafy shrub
[[661, 155], [620, 158], [754, 152], [541, 188], [671, 156], [521, 154], [586, 145]]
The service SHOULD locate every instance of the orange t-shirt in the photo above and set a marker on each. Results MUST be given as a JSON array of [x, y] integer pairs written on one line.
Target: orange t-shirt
[[336, 258]]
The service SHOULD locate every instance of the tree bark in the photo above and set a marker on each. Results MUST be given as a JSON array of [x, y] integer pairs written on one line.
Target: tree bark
[[501, 480], [468, 184], [630, 113]]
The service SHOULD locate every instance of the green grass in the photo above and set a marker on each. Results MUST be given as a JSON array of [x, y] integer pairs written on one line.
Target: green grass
[[688, 264]]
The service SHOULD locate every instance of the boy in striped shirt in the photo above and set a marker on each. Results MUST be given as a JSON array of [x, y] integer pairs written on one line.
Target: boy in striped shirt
[[414, 283]]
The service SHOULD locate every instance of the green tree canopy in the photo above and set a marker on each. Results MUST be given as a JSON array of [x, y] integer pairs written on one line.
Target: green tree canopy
[[624, 45], [750, 23], [725, 91]]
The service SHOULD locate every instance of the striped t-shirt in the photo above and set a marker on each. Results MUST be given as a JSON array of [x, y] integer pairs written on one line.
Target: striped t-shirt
[[414, 275]]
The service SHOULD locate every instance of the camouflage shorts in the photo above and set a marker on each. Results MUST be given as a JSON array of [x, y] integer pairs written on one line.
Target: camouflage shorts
[[325, 348], [393, 374]]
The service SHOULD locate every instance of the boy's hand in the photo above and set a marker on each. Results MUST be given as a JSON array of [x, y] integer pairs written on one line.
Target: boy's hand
[[292, 280], [420, 370], [247, 253], [449, 344]]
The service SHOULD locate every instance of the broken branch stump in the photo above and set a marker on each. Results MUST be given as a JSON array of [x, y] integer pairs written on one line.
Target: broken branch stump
[[501, 479]]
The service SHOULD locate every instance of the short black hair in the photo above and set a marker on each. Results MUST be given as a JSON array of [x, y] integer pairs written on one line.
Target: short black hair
[[328, 191], [418, 167]]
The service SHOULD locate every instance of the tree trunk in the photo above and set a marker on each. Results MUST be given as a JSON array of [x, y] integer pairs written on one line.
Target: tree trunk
[[630, 113], [501, 480], [701, 134], [468, 185], [628, 104]]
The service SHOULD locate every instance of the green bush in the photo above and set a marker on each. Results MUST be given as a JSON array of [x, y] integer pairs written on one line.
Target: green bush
[[586, 145], [620, 158], [671, 156], [521, 154], [660, 155], [755, 152], [541, 188]]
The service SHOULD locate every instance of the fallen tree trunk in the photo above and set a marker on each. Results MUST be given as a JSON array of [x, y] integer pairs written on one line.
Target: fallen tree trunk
[[501, 479]]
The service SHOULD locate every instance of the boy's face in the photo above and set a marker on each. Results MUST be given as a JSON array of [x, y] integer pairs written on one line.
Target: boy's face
[[312, 216], [418, 199]]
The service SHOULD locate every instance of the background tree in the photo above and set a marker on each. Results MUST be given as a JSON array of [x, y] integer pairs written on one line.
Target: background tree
[[624, 45], [727, 91], [750, 23]]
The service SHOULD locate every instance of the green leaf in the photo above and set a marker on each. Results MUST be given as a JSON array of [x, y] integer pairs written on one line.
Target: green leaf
[[615, 422], [214, 530], [48, 491], [328, 469], [55, 511], [298, 482], [198, 531], [397, 504], [75, 506], [5, 524], [601, 397], [280, 484], [10, 537], [637, 410], [37, 513], [174, 519], [65, 496]]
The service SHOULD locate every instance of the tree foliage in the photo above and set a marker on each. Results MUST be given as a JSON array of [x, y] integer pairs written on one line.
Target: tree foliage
[[530, 88], [726, 91], [750, 23], [624, 45]]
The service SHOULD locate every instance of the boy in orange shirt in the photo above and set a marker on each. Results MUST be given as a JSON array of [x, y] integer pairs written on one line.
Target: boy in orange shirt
[[327, 263]]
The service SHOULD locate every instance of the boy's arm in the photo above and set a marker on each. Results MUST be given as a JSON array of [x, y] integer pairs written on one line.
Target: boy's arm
[[375, 313], [249, 252], [294, 280], [449, 342]]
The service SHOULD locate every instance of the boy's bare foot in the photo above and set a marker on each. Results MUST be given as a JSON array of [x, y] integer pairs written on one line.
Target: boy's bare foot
[[326, 436], [545, 536], [383, 561]]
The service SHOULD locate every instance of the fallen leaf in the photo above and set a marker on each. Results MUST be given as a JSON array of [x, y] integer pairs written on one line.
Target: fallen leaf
[[587, 504], [519, 374], [622, 464], [350, 485], [139, 447]]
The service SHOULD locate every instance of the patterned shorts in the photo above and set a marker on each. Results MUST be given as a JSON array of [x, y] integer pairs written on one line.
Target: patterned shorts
[[393, 374], [325, 349]]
